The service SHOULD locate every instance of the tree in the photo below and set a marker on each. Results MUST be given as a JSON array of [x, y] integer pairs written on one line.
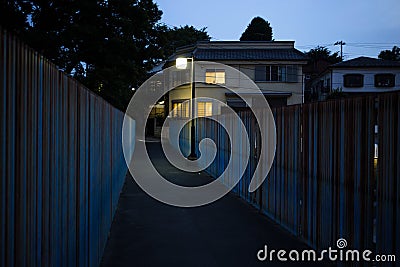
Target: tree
[[108, 45], [258, 30], [393, 54], [319, 59], [177, 37], [12, 17], [323, 53]]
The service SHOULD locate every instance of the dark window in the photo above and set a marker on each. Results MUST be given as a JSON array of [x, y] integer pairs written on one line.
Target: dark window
[[292, 73], [276, 73], [328, 84], [261, 73], [353, 80], [384, 80], [324, 89]]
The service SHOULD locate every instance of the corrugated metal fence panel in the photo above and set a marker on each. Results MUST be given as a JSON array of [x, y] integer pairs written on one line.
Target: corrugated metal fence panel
[[388, 181], [278, 197], [10, 142], [322, 182], [281, 188], [249, 123], [62, 166], [338, 172], [184, 136], [359, 173]]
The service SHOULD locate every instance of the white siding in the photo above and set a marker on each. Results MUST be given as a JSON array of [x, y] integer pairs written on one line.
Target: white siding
[[369, 79]]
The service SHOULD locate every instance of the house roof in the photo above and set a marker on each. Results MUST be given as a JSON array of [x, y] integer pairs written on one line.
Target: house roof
[[248, 54], [243, 51], [366, 62]]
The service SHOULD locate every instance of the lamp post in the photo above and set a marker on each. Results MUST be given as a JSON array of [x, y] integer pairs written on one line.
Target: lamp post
[[181, 63]]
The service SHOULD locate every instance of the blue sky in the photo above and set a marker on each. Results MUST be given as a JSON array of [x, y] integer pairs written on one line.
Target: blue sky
[[366, 26]]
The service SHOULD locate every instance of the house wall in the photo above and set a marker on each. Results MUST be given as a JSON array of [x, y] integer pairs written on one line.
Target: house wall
[[210, 91], [369, 79], [296, 88], [233, 80]]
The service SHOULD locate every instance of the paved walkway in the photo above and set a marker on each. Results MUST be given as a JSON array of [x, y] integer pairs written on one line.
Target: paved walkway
[[228, 232]]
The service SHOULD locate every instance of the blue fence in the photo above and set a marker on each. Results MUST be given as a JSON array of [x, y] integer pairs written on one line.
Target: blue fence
[[388, 179], [62, 166], [326, 182]]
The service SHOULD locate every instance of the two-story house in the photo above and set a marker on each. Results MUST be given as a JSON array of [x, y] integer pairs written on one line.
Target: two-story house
[[275, 67], [362, 75]]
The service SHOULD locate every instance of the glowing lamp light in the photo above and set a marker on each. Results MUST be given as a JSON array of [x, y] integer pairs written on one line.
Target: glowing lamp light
[[181, 63]]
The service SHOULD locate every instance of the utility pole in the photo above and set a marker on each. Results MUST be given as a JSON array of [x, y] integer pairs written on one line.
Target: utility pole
[[341, 43]]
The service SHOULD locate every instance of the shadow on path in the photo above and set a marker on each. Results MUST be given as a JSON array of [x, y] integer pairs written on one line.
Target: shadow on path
[[228, 232]]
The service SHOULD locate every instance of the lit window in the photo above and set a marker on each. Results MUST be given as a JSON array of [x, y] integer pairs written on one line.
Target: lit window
[[180, 109], [215, 76], [384, 80], [353, 80], [204, 109]]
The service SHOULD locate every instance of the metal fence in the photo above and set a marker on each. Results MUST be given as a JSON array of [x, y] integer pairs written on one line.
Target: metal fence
[[325, 182], [338, 172], [388, 180], [62, 166]]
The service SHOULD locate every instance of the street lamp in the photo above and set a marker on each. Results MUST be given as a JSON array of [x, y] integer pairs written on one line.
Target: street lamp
[[181, 63]]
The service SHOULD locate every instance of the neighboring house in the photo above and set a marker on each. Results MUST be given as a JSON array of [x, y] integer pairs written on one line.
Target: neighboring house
[[312, 71], [361, 75], [276, 67]]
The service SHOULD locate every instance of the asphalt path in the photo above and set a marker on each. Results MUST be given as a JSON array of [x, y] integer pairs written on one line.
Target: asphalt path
[[228, 232]]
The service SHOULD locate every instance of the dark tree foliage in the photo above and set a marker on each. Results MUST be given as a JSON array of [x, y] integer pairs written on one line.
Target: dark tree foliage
[[319, 59], [181, 36], [12, 16], [108, 45], [323, 53], [393, 54], [258, 30]]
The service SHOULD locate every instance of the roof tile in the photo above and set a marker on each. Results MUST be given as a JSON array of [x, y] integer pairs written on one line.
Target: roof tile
[[248, 54], [361, 62]]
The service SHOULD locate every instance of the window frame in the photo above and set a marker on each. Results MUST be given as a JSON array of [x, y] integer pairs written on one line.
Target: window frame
[[276, 73], [292, 76], [206, 112], [213, 74], [263, 70], [353, 85], [180, 112], [392, 81]]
